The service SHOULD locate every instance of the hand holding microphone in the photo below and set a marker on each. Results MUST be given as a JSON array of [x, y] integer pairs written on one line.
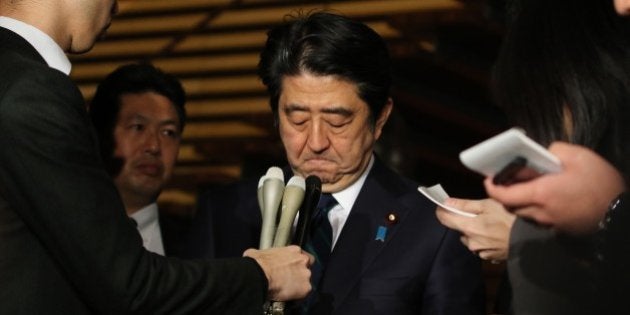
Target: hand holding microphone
[[298, 195]]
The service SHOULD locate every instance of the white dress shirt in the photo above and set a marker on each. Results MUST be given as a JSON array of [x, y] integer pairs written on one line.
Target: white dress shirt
[[345, 200], [54, 56], [148, 222]]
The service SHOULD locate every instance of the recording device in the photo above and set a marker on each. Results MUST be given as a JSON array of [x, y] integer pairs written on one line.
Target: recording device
[[272, 190], [510, 157], [291, 201], [311, 199]]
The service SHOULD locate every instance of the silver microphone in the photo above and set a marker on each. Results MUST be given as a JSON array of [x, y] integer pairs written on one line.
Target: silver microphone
[[273, 188], [291, 201], [259, 193]]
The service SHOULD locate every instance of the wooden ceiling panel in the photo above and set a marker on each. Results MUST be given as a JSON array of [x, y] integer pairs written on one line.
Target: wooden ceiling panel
[[157, 24], [151, 6], [222, 130], [114, 49], [246, 84], [228, 107], [222, 41], [276, 15], [229, 62]]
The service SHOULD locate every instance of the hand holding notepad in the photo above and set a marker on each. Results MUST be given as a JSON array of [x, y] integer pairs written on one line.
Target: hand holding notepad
[[437, 194]]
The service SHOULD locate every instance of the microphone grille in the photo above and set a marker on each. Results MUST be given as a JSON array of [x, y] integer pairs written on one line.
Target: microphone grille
[[275, 172], [297, 181], [313, 182]]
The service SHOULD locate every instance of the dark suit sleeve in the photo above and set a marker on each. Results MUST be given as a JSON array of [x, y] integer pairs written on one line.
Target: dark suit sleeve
[[52, 177], [614, 253], [455, 284], [227, 222]]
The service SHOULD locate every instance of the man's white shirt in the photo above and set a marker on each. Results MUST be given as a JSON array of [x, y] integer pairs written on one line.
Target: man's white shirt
[[345, 200], [148, 222], [54, 56]]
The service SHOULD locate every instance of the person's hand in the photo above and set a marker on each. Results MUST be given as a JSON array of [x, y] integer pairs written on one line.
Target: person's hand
[[572, 201], [622, 7], [287, 271], [487, 234]]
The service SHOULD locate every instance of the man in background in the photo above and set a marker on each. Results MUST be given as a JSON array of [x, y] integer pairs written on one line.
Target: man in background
[[139, 115]]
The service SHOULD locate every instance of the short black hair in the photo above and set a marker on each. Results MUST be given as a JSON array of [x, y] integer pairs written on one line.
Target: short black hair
[[324, 43], [130, 79], [568, 55]]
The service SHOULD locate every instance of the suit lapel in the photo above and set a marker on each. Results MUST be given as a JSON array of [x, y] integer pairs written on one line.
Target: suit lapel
[[358, 246]]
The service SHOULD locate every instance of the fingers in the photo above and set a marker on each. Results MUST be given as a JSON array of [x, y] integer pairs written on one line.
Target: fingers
[[494, 256], [311, 258], [449, 219], [472, 206], [485, 252], [513, 195]]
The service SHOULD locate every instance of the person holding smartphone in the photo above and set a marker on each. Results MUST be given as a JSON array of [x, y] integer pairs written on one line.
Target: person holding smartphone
[[563, 75]]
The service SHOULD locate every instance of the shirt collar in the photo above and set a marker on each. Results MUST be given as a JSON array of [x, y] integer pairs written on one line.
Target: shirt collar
[[348, 196], [146, 215], [54, 56]]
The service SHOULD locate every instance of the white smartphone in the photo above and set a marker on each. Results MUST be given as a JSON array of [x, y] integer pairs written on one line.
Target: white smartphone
[[510, 157]]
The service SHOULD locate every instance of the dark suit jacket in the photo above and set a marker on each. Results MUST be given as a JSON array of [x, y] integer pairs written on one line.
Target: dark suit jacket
[[66, 245], [559, 274], [614, 256], [551, 273], [420, 268], [174, 228]]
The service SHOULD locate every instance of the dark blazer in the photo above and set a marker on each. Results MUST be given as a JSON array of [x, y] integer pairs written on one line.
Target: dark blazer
[[66, 245], [614, 256], [551, 273], [420, 268], [173, 228]]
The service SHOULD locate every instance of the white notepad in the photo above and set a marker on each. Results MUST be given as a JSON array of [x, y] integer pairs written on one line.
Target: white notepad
[[437, 194]]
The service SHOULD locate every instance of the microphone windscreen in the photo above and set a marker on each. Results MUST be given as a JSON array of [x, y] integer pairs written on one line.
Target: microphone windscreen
[[259, 193], [311, 198], [273, 188], [291, 202]]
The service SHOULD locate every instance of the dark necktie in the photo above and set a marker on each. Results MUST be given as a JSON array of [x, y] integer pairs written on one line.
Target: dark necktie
[[319, 245]]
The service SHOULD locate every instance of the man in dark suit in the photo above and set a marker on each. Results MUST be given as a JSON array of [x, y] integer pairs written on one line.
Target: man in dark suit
[[139, 115], [329, 79], [66, 245]]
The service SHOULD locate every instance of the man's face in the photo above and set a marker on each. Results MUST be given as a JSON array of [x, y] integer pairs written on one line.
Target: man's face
[[146, 137], [325, 129], [622, 7], [88, 20]]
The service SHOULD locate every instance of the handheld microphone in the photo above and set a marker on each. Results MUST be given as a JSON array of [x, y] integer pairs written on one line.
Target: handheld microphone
[[272, 190], [291, 202], [311, 198], [259, 193]]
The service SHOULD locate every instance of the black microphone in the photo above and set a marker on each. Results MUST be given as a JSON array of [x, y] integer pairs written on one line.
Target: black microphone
[[311, 199]]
